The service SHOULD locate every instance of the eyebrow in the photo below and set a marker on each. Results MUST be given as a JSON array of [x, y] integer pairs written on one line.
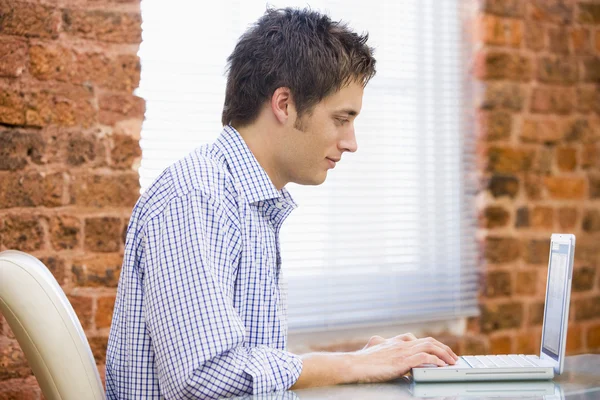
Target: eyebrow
[[348, 111]]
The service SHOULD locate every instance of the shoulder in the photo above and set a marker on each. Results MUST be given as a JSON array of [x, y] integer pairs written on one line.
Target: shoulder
[[202, 174]]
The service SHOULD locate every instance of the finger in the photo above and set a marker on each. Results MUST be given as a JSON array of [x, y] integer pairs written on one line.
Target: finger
[[432, 347], [405, 337], [423, 358], [441, 345], [374, 340]]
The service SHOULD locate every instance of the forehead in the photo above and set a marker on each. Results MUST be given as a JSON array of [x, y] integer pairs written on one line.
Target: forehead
[[348, 97]]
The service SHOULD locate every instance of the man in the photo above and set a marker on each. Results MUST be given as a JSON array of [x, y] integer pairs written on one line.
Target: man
[[199, 310]]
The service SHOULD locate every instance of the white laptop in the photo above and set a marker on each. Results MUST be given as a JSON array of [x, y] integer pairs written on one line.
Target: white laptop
[[554, 333]]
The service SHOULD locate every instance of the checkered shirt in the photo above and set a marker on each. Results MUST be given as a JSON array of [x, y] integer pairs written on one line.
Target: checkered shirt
[[201, 311]]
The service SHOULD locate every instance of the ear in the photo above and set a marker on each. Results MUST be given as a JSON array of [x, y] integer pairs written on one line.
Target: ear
[[282, 104]]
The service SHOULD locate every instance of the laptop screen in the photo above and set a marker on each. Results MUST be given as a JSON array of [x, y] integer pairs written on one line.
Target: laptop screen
[[555, 300]]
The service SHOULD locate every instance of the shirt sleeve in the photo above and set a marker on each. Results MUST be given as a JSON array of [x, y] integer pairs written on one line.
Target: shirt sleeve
[[197, 336]]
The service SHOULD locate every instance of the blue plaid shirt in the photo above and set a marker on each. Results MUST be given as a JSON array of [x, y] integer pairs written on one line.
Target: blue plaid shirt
[[201, 309]]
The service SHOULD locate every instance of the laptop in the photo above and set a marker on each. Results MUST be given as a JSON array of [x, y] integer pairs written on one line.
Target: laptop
[[554, 333]]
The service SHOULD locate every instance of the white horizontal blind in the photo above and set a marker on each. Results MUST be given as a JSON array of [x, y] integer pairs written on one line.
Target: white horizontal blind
[[389, 236]]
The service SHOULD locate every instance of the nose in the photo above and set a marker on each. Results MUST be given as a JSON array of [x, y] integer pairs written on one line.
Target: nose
[[348, 142]]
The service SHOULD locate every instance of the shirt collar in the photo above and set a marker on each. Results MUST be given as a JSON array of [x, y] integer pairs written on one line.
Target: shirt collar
[[252, 178]]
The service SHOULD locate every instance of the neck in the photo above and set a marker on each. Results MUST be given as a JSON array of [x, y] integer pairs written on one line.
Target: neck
[[261, 141]]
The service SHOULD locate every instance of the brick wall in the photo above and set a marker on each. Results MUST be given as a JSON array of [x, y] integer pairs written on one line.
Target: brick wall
[[537, 68], [69, 134]]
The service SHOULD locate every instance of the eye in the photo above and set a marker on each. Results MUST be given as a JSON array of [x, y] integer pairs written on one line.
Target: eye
[[342, 121]]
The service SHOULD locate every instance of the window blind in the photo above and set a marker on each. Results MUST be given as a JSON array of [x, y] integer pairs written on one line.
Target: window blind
[[389, 237]]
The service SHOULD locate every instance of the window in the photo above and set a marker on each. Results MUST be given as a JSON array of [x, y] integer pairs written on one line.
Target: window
[[390, 236]]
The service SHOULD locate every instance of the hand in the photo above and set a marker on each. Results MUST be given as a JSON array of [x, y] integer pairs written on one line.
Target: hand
[[386, 359]]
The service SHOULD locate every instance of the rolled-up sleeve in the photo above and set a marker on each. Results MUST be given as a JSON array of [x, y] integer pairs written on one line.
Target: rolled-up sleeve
[[197, 337]]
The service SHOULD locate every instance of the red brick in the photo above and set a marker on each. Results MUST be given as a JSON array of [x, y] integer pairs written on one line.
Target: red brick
[[500, 250], [594, 185], [61, 107], [587, 308], [507, 8], [535, 35], [542, 131], [558, 40], [83, 307], [534, 187], [527, 343], [18, 149], [52, 62], [591, 69], [31, 189], [13, 363], [100, 270], [556, 11], [580, 37], [121, 73], [565, 188], [542, 217], [98, 344], [116, 190], [591, 221], [22, 232], [493, 217], [535, 251], [501, 316], [494, 125], [502, 94], [118, 107], [14, 59], [12, 107], [566, 158], [473, 346], [544, 157], [108, 26], [590, 156], [583, 278], [522, 217], [65, 232], [507, 160], [526, 283], [588, 98], [501, 345], [28, 19], [503, 185], [500, 31], [56, 266], [493, 64], [589, 13], [597, 41], [560, 70], [593, 337], [125, 151], [567, 218], [20, 389], [555, 100], [497, 284], [104, 311], [103, 234], [582, 130], [536, 313]]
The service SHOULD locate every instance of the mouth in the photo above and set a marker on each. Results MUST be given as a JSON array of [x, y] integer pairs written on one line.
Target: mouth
[[332, 162]]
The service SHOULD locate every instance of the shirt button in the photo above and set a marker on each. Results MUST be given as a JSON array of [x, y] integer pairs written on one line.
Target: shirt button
[[279, 205]]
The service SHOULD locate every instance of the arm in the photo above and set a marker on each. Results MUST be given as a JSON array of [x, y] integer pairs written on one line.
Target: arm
[[197, 336], [381, 360]]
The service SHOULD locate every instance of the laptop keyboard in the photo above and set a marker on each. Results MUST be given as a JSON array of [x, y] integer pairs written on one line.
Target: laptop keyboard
[[505, 361]]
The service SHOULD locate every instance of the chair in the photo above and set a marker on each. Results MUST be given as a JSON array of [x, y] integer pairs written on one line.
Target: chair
[[47, 329]]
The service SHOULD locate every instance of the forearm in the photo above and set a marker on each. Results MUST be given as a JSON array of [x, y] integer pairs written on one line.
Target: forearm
[[325, 369]]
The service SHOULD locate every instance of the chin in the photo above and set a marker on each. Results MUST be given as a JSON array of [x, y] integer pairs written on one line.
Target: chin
[[313, 180]]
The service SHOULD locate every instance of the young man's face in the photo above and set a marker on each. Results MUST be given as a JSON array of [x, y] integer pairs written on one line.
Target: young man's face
[[314, 143]]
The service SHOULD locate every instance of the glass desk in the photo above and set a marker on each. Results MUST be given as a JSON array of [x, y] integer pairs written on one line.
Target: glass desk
[[580, 380]]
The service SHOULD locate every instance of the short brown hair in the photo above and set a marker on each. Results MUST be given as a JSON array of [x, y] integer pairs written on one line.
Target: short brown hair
[[296, 48]]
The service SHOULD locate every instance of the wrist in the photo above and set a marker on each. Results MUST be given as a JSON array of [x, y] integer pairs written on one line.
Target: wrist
[[349, 371]]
